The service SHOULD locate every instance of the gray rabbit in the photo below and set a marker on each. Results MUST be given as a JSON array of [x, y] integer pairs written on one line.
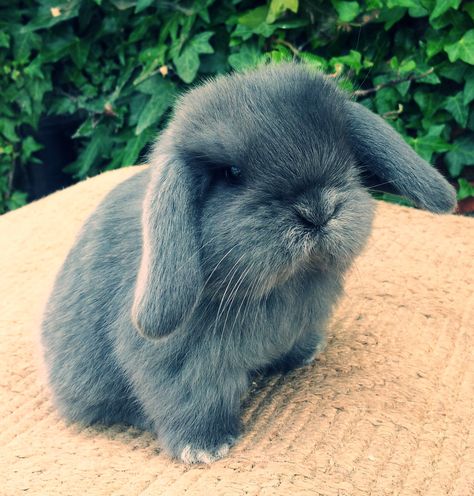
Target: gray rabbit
[[222, 259]]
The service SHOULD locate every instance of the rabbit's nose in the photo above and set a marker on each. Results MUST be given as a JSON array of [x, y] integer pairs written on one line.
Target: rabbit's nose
[[311, 220]]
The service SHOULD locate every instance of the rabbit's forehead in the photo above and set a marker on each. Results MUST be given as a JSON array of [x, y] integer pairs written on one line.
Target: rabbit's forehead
[[295, 172], [264, 137], [282, 121], [286, 150]]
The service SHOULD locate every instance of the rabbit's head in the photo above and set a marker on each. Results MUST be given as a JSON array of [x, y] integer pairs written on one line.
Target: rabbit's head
[[257, 180]]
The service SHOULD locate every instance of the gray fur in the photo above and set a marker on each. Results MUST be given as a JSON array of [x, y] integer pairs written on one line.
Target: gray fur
[[385, 153], [241, 275]]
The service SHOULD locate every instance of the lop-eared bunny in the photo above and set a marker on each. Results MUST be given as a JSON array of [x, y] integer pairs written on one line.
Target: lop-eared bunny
[[223, 258]]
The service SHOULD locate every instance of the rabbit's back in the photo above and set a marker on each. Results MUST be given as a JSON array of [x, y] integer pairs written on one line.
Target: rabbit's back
[[90, 299]]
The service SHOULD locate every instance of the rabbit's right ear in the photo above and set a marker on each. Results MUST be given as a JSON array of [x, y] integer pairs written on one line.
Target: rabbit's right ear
[[383, 152], [170, 277]]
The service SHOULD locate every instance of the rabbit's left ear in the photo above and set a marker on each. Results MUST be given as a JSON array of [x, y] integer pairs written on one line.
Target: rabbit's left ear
[[383, 152], [170, 277]]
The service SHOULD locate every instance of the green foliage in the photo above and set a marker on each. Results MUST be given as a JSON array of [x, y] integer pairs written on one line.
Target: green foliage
[[119, 64]]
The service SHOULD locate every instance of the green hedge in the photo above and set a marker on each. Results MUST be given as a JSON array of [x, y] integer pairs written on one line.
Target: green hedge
[[118, 65]]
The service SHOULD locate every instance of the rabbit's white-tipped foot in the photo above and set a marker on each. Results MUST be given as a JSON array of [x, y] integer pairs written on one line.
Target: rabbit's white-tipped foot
[[191, 455]]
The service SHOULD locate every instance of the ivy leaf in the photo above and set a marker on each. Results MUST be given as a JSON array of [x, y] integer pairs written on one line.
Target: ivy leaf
[[434, 45], [469, 8], [23, 44], [136, 105], [460, 155], [469, 87], [254, 17], [17, 199], [85, 129], [450, 18], [58, 48], [62, 106], [277, 7], [419, 11], [215, 63], [407, 66], [157, 105], [280, 54], [466, 190], [169, 28], [429, 102], [315, 61], [51, 13], [151, 85], [292, 24], [134, 146], [201, 43], [422, 68], [151, 58], [204, 15], [140, 32], [443, 6], [431, 142], [386, 100], [347, 11], [91, 153], [242, 32], [7, 128], [265, 29], [34, 69], [352, 60], [403, 87], [249, 56], [79, 53], [391, 4], [455, 71], [463, 49], [456, 107], [4, 40], [254, 22], [28, 147], [38, 87], [187, 62], [374, 4], [123, 4], [154, 55], [142, 5], [390, 16], [416, 9]]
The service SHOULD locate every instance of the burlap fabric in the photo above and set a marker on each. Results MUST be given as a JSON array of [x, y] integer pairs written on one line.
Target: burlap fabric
[[387, 409]]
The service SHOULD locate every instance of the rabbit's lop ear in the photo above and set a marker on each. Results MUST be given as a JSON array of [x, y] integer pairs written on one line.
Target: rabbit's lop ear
[[383, 152], [170, 277]]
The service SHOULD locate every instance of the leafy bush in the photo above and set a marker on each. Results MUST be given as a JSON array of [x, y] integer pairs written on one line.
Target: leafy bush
[[117, 65]]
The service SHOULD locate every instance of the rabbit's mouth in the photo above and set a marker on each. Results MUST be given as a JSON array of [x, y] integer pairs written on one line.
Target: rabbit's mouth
[[319, 248]]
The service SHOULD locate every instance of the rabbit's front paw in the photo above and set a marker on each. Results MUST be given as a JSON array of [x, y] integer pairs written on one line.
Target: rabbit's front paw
[[320, 348], [194, 454]]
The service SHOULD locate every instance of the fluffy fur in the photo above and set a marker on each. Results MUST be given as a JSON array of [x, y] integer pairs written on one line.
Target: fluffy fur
[[192, 275]]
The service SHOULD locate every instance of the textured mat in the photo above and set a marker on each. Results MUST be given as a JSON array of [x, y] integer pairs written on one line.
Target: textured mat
[[388, 408]]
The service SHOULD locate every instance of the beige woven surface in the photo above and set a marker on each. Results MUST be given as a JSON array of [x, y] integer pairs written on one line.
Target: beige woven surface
[[388, 409]]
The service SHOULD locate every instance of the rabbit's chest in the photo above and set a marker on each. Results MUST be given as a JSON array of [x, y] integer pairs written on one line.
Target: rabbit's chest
[[274, 326]]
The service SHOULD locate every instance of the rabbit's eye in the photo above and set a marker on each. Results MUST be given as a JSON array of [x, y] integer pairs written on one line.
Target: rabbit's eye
[[232, 174]]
